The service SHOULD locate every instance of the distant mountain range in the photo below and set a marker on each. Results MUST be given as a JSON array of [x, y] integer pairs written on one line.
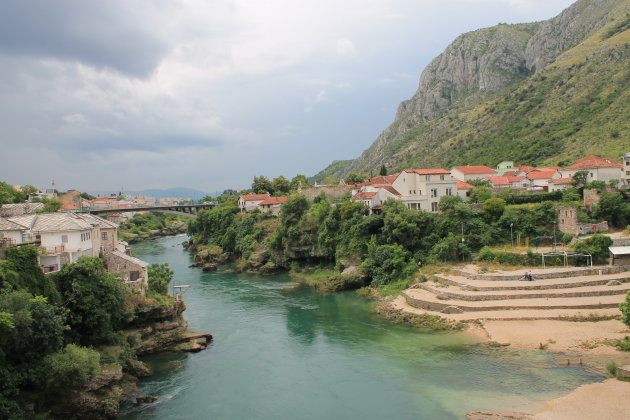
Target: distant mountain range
[[542, 93], [179, 192]]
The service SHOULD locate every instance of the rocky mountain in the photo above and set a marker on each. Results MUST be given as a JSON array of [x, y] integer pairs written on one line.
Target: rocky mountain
[[537, 93]]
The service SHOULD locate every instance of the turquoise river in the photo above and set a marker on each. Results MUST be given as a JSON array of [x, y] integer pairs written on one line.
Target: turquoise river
[[281, 351]]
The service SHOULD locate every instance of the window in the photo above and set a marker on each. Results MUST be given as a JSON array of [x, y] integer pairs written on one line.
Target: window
[[434, 192], [103, 236], [591, 173], [449, 191], [428, 178], [434, 206], [414, 191], [64, 239], [441, 177], [134, 275]]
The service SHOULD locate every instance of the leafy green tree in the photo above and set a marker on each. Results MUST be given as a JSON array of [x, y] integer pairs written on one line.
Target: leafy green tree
[[480, 183], [69, 369], [580, 178], [293, 209], [625, 310], [21, 271], [480, 194], [448, 202], [612, 208], [387, 263], [95, 300], [160, 275], [262, 185], [354, 178], [331, 180], [570, 194], [493, 208], [383, 171], [227, 200], [87, 196], [9, 195], [29, 190], [280, 186], [297, 181], [51, 205], [404, 226], [597, 245]]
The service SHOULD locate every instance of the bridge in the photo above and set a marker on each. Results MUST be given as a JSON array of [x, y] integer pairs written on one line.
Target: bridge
[[183, 209]]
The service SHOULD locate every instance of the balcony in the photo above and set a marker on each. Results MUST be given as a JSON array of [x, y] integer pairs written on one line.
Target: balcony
[[48, 250]]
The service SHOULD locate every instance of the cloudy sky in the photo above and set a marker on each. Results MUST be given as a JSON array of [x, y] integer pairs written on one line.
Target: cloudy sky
[[206, 94]]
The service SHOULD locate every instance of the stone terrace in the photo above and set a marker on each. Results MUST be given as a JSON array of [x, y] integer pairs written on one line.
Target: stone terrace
[[555, 293]]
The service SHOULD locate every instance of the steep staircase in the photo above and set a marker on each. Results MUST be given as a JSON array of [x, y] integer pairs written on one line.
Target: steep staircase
[[580, 293]]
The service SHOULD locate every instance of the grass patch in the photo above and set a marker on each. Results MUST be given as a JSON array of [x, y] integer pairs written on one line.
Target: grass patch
[[326, 280]]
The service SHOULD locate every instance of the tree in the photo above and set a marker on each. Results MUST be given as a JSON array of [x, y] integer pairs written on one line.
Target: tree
[[160, 275], [8, 194], [354, 178], [261, 185], [625, 310], [480, 194], [480, 183], [299, 181], [597, 245], [448, 202], [383, 171], [613, 209], [494, 207], [70, 368], [387, 263], [280, 185], [580, 178], [87, 196], [95, 300], [29, 190]]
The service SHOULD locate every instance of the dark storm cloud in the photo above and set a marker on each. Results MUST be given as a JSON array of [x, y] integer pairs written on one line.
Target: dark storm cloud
[[97, 33]]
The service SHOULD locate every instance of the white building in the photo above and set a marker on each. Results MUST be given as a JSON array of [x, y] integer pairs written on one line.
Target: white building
[[421, 189], [249, 202], [599, 169], [625, 176], [469, 173]]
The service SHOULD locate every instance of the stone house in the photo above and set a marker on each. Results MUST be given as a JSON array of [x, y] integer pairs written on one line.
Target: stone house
[[272, 205], [558, 184], [16, 209], [249, 202], [539, 178], [464, 189]]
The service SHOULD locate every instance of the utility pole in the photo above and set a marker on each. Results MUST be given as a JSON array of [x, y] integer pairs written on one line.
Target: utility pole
[[554, 236], [511, 235], [463, 255]]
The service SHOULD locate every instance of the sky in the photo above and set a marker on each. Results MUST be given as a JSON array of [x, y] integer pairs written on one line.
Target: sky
[[128, 95]]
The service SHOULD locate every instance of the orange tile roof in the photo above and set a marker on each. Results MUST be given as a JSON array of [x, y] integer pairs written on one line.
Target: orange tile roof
[[273, 200], [540, 174], [461, 185], [525, 168], [499, 180], [435, 171], [561, 180], [510, 173], [254, 197], [593, 162], [482, 169], [547, 168], [363, 195], [392, 190]]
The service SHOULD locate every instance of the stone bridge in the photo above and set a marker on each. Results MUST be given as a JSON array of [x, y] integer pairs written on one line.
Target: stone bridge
[[184, 209]]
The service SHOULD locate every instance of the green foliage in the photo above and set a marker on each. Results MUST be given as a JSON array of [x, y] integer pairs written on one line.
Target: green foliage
[[493, 208], [95, 300], [51, 205], [299, 181], [87, 196], [354, 178], [21, 271], [261, 185], [383, 170], [614, 209], [449, 202], [280, 186], [480, 183], [625, 310], [70, 368], [385, 264], [160, 275], [580, 178], [10, 195], [570, 194], [597, 245], [480, 194], [534, 198]]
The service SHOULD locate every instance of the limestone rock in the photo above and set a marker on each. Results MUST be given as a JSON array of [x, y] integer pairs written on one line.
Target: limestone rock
[[209, 267], [623, 371], [138, 369], [452, 310], [147, 399], [613, 283]]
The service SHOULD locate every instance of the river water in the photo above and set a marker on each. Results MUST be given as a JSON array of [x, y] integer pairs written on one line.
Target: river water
[[282, 351]]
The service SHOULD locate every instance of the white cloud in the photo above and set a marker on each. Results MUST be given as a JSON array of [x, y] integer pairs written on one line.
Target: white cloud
[[345, 48]]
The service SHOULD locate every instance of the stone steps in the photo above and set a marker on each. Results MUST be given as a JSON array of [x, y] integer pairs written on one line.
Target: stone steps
[[512, 315], [424, 299], [574, 292], [542, 273], [466, 283]]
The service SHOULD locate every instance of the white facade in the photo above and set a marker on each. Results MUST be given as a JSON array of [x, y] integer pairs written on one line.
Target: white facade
[[421, 189], [625, 175], [250, 202], [469, 173]]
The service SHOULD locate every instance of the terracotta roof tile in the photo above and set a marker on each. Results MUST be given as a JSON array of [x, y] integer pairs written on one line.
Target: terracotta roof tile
[[434, 171], [363, 195], [273, 200], [254, 197], [461, 185], [540, 174], [482, 169], [561, 180], [593, 162]]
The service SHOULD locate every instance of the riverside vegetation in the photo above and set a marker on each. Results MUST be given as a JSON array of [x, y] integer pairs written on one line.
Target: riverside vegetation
[[145, 226], [335, 245], [69, 341]]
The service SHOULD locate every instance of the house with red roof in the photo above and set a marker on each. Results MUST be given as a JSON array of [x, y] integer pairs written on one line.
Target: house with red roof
[[598, 168], [374, 196], [272, 205], [539, 179], [560, 184], [464, 189], [249, 202], [469, 173], [421, 189]]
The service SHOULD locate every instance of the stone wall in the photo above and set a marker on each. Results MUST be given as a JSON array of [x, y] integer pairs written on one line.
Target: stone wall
[[568, 222], [134, 272], [591, 197], [330, 191]]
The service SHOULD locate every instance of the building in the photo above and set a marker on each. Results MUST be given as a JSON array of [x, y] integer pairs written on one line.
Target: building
[[8, 210], [464, 189], [469, 173], [249, 202], [560, 184], [625, 176], [539, 178], [421, 189], [598, 168], [272, 205], [505, 166]]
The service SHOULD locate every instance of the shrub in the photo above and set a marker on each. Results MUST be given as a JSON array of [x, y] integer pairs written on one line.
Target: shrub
[[70, 368], [486, 254], [387, 263], [597, 245], [625, 310], [160, 275]]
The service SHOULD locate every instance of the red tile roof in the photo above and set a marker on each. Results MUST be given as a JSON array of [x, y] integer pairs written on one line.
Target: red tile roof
[[510, 173], [561, 180], [363, 195], [273, 200], [435, 171], [254, 197], [525, 168], [392, 190], [499, 180], [540, 174], [461, 185], [470, 170], [547, 168], [593, 162], [376, 180]]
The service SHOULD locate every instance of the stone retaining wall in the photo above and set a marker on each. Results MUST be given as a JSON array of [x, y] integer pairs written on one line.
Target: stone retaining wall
[[594, 271]]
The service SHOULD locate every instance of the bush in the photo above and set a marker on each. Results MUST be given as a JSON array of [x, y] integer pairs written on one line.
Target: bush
[[597, 245], [625, 310], [387, 263], [160, 275], [70, 368], [486, 254]]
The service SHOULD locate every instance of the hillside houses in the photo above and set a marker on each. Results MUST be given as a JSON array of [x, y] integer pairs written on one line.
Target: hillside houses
[[62, 238]]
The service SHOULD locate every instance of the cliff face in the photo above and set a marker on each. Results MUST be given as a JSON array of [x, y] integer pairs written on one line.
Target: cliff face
[[476, 70]]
